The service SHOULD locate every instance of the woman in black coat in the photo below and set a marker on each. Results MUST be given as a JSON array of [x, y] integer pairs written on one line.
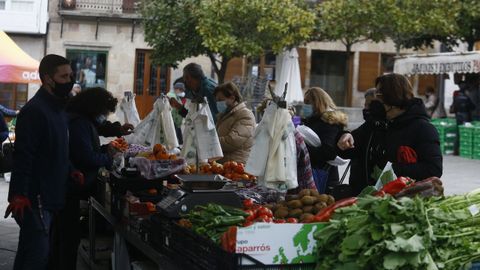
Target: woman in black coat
[[327, 122], [87, 111], [400, 132]]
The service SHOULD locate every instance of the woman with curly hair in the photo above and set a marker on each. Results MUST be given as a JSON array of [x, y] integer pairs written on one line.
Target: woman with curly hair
[[87, 111], [328, 123]]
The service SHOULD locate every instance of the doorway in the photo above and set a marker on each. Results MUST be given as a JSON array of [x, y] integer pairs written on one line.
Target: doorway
[[150, 81]]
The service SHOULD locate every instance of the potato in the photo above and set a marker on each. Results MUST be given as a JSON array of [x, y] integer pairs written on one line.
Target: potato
[[281, 212], [295, 213], [331, 200], [308, 200], [282, 203], [323, 198], [304, 192], [269, 206], [319, 206], [291, 197], [314, 192], [294, 204], [307, 209], [306, 217]]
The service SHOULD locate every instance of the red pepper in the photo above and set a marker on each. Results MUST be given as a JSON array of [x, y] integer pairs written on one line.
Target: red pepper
[[396, 185], [248, 203], [292, 220], [229, 239], [326, 213], [279, 221]]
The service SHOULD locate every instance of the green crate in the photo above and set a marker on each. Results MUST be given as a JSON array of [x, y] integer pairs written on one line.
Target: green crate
[[476, 156]]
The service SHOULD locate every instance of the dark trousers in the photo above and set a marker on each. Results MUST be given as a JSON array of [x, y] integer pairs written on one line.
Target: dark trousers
[[66, 236], [33, 244]]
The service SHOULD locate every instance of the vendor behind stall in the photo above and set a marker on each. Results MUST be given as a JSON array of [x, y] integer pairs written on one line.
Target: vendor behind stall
[[198, 87], [87, 111], [402, 134], [235, 123]]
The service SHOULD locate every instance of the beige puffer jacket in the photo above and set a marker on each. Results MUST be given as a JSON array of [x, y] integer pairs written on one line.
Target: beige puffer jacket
[[235, 130]]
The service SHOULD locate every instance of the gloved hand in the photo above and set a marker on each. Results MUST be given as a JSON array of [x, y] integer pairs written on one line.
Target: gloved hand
[[17, 206], [126, 129], [406, 155], [78, 178]]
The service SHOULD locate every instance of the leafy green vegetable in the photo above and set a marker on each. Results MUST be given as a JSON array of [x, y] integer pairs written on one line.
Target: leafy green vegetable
[[385, 233]]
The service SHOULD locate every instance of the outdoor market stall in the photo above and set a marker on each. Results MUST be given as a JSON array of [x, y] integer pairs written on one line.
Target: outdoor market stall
[[206, 215]]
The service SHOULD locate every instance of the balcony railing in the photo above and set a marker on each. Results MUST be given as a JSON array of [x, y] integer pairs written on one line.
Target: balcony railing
[[108, 7]]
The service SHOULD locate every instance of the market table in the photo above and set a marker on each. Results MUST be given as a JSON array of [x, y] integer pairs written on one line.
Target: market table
[[162, 261]]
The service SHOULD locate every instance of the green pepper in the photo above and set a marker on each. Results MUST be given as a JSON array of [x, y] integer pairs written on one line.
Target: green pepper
[[216, 209], [226, 221], [235, 211], [201, 230]]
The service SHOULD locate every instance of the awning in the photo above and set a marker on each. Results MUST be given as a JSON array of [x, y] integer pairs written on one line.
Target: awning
[[439, 63], [16, 66]]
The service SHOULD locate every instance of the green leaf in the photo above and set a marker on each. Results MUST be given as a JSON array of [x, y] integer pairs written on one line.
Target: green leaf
[[413, 244]]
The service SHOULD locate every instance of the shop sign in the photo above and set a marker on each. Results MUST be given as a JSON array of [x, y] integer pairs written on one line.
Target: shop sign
[[272, 243]]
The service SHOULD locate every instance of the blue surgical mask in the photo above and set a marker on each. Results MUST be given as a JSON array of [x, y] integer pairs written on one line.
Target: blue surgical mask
[[221, 106], [101, 119], [307, 110]]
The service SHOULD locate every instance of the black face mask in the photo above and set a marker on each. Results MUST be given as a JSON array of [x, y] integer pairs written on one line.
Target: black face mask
[[377, 110], [62, 90], [366, 115]]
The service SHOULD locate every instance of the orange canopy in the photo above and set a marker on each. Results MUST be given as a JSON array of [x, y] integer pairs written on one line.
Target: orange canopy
[[16, 66]]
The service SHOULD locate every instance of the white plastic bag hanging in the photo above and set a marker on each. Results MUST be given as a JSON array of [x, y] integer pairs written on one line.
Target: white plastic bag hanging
[[156, 128], [200, 134], [127, 110]]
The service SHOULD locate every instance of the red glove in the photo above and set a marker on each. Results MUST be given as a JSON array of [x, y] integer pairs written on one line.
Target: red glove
[[78, 177], [406, 155], [17, 206]]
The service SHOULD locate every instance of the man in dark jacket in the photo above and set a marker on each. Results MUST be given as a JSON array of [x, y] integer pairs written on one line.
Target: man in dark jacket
[[198, 87], [405, 137], [41, 163]]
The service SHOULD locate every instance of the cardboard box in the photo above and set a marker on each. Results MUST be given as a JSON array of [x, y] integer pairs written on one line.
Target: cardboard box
[[272, 243]]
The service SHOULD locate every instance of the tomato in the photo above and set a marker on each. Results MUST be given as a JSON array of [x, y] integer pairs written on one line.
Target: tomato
[[247, 223], [239, 168], [251, 215], [247, 203], [264, 211], [263, 218], [279, 221], [292, 220], [244, 176]]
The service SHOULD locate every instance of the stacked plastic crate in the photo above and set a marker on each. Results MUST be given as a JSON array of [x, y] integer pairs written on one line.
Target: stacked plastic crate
[[476, 140], [466, 141], [470, 140], [447, 131]]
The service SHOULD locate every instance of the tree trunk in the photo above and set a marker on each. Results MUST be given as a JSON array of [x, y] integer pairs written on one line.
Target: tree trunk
[[222, 70], [347, 73]]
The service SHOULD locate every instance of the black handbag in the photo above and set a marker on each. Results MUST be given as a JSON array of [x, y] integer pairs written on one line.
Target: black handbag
[[6, 157], [341, 190]]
